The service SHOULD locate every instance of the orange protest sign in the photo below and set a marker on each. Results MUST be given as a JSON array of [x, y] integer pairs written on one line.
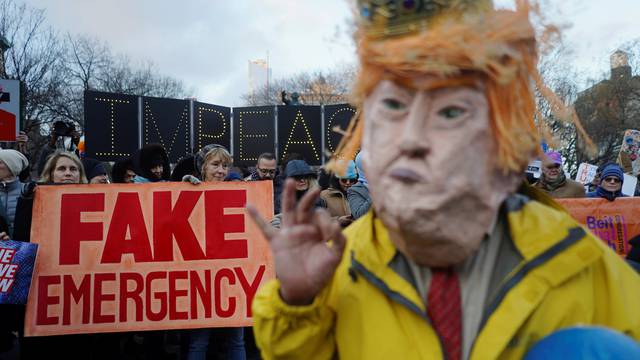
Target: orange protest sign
[[615, 222], [146, 257]]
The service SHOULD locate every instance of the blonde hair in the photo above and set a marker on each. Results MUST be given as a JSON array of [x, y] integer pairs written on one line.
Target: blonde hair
[[219, 152], [499, 47], [52, 161]]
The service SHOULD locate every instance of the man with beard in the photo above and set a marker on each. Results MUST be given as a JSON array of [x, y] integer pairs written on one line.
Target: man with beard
[[266, 169], [554, 182], [454, 260]]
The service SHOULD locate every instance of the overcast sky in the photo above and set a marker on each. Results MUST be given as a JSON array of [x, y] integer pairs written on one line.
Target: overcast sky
[[207, 43]]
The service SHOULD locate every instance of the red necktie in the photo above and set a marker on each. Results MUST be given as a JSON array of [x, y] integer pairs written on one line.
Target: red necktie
[[444, 310]]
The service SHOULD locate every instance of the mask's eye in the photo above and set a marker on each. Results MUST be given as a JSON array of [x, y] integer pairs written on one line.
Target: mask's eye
[[452, 112], [393, 104]]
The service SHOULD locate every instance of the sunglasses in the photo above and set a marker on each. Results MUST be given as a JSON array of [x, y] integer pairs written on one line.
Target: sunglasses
[[348, 181], [612, 179], [267, 171]]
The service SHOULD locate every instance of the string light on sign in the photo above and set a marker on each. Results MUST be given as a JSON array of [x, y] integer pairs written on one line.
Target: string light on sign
[[112, 117], [309, 140], [201, 135], [330, 127], [242, 135], [184, 118]]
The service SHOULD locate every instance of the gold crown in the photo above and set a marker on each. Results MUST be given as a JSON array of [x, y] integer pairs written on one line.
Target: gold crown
[[380, 18]]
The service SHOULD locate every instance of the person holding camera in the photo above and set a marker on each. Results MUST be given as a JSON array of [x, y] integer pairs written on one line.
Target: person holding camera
[[64, 137]]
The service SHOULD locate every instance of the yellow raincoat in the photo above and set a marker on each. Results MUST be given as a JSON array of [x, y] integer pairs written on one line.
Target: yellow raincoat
[[368, 311]]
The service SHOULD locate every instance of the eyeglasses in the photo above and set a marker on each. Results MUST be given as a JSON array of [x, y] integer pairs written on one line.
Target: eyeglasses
[[612, 179], [349, 181], [554, 166], [267, 171]]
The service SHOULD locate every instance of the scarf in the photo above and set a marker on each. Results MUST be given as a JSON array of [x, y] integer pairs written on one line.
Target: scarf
[[553, 185]]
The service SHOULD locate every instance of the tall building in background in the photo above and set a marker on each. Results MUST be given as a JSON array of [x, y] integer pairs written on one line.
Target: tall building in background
[[259, 75]]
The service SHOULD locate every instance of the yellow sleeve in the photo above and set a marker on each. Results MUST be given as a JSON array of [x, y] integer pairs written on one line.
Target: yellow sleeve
[[292, 332]]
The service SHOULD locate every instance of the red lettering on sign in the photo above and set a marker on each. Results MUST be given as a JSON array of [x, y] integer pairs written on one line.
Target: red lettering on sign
[[127, 214], [250, 289], [224, 273], [218, 224], [174, 294], [79, 293], [133, 294], [161, 296], [202, 292], [99, 297], [173, 222], [72, 230], [44, 300]]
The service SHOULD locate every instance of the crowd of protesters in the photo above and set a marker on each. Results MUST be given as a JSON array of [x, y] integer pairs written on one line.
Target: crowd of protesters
[[344, 196]]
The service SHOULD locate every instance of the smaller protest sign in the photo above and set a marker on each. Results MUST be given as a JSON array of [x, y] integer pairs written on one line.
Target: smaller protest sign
[[9, 109], [535, 168], [629, 156], [16, 267], [629, 185], [614, 222], [586, 173]]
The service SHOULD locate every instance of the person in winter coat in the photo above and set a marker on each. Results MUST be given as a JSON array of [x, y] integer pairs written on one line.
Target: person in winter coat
[[212, 164], [61, 168], [336, 195], [151, 164], [554, 181], [304, 180], [12, 163], [122, 171], [267, 169], [358, 194], [96, 172], [611, 181], [185, 166], [455, 260]]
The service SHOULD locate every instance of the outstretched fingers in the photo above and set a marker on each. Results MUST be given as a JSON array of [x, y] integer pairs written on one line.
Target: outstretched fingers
[[289, 203], [330, 230], [339, 241], [304, 211]]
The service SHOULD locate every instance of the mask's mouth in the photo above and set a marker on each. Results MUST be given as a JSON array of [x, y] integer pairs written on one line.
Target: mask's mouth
[[406, 175]]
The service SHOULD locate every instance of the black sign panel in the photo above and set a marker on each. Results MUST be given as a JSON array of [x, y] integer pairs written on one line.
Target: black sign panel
[[211, 125], [336, 116], [166, 122], [111, 125], [300, 131], [253, 133]]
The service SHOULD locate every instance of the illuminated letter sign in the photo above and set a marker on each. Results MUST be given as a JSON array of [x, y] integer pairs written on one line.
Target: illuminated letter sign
[[336, 120], [111, 125], [300, 131], [212, 125], [253, 133], [166, 122]]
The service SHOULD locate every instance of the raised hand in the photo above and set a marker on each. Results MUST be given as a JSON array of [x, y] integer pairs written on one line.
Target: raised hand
[[306, 249]]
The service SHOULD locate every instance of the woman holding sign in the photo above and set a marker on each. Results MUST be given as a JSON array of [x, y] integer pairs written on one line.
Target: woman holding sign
[[213, 163], [611, 181]]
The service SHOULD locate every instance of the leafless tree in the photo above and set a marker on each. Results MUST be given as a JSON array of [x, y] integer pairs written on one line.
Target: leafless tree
[[314, 88], [55, 71]]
